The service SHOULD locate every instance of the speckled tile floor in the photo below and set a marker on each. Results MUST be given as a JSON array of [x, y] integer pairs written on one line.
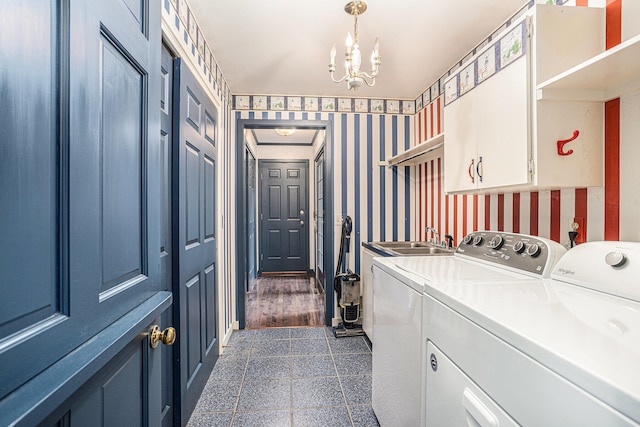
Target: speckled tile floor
[[289, 377]]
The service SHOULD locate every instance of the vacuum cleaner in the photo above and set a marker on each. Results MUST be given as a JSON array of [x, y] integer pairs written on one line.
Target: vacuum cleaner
[[347, 287]]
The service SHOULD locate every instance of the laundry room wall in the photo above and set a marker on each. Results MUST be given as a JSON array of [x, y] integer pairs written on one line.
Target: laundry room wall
[[609, 212]]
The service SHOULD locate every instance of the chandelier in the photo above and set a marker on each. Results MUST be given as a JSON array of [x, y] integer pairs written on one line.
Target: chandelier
[[353, 58]]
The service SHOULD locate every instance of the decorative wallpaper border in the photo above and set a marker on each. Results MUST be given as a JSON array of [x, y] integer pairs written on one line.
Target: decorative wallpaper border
[[185, 27], [490, 61], [438, 87], [322, 104]]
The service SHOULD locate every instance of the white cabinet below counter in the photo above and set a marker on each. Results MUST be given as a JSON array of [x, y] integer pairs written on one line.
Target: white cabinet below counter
[[499, 135], [366, 278]]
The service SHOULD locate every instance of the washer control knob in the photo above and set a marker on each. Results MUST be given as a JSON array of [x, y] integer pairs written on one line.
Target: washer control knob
[[467, 239], [496, 242], [615, 259], [478, 240], [518, 246], [533, 250]]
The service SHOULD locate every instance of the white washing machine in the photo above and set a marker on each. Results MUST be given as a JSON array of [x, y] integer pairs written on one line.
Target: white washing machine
[[563, 351], [483, 259]]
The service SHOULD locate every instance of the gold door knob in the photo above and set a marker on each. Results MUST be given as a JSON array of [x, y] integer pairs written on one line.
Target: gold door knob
[[168, 336]]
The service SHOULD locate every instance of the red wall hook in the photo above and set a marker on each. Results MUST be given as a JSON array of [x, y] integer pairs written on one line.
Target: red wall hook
[[562, 142]]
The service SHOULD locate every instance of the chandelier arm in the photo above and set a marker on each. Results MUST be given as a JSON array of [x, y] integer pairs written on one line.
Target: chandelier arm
[[372, 84], [339, 81], [367, 75]]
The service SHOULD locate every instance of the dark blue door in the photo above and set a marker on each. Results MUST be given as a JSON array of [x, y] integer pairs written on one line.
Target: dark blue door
[[252, 196], [79, 210], [319, 219], [195, 166], [283, 216], [166, 241]]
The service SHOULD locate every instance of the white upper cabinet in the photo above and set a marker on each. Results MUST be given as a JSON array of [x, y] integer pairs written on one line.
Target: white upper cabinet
[[500, 136]]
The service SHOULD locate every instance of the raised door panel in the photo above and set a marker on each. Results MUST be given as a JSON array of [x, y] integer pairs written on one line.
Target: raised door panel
[[460, 149], [502, 120], [118, 394], [28, 168], [123, 148], [192, 195], [209, 198], [210, 308]]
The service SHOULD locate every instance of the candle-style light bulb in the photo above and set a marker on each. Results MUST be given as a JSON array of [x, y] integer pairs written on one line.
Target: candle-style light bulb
[[333, 55], [349, 41]]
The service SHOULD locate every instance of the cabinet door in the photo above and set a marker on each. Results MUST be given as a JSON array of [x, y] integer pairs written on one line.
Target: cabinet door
[[460, 153], [366, 284], [502, 127]]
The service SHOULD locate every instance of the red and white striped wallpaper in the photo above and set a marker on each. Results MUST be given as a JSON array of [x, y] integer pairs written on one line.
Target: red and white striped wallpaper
[[611, 212]]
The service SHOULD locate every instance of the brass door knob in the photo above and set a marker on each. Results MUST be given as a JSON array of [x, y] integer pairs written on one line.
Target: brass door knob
[[168, 336]]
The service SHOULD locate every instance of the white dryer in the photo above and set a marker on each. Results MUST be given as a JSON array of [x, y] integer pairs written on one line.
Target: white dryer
[[483, 259], [563, 351]]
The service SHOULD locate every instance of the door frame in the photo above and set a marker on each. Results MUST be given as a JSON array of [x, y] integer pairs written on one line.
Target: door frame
[[251, 254], [261, 241], [241, 207], [319, 155]]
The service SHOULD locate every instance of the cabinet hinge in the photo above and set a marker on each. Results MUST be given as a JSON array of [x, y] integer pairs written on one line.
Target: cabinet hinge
[[529, 28], [531, 167], [261, 217], [261, 257]]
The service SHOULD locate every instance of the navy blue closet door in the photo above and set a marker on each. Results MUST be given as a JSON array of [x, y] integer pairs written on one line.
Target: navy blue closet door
[[195, 255], [79, 177]]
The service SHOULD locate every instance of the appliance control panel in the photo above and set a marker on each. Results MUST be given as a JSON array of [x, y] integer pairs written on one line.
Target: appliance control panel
[[532, 254]]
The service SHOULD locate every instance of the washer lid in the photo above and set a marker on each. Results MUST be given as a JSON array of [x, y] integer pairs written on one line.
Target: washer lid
[[610, 267]]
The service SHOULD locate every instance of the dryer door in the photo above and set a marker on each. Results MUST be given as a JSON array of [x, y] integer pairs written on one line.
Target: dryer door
[[454, 399]]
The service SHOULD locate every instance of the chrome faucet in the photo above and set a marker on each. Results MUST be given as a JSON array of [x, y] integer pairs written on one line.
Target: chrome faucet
[[436, 236]]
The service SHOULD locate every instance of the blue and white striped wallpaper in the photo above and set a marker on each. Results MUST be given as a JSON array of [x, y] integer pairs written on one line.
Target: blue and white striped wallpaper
[[378, 198]]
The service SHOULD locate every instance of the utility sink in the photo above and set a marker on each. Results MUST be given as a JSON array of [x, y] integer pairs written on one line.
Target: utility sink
[[410, 248]]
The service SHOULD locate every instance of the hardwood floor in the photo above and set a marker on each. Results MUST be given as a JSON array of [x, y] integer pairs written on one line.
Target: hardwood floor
[[279, 301]]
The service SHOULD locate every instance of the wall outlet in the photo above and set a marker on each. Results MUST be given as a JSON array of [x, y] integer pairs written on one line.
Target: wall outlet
[[582, 231]]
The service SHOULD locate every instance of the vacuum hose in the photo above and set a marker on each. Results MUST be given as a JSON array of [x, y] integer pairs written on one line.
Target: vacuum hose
[[347, 226]]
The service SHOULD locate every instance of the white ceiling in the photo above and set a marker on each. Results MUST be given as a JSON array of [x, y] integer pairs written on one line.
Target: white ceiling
[[281, 47]]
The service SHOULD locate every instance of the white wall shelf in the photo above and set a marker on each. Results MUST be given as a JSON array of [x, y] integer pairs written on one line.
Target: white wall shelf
[[601, 78], [418, 154]]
